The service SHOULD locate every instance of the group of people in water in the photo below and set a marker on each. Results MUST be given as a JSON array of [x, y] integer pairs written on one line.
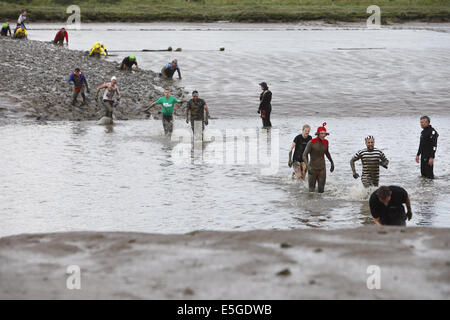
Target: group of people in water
[[20, 32]]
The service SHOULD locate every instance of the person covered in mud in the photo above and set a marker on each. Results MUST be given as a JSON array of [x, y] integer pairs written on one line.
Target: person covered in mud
[[315, 150], [5, 30], [197, 108], [111, 88], [59, 38], [371, 158], [427, 148], [128, 62], [80, 82], [169, 69], [167, 103], [386, 206], [20, 33], [98, 49], [265, 106], [21, 19], [300, 142]]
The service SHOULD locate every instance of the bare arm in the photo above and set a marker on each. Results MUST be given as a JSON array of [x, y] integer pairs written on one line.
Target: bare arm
[[290, 154], [101, 87], [306, 153]]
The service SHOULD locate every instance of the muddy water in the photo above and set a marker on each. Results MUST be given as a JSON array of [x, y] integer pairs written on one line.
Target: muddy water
[[62, 176]]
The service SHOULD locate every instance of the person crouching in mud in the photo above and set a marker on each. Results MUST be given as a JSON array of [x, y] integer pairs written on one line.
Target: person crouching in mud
[[386, 206], [316, 149], [300, 143], [79, 81], [108, 96], [265, 106], [167, 103]]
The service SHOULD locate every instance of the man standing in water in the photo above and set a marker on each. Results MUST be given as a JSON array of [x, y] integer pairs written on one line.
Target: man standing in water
[[79, 81], [197, 108], [371, 159], [427, 148], [316, 149], [265, 106], [299, 144], [169, 69], [108, 96], [167, 103], [386, 206]]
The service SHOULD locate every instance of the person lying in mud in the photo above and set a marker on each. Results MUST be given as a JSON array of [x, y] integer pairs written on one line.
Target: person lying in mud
[[386, 206], [169, 69], [197, 108], [128, 62], [59, 38], [5, 30], [300, 142], [316, 149], [111, 88], [80, 82], [20, 33], [98, 49], [371, 158], [167, 103]]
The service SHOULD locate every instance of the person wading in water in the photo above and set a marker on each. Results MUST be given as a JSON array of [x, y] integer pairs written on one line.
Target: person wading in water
[[265, 107]]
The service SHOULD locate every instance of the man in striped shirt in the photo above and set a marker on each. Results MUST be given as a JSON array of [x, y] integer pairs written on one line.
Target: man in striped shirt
[[371, 159]]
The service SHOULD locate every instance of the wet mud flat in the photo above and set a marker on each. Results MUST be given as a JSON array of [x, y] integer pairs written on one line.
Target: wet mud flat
[[410, 263], [34, 84]]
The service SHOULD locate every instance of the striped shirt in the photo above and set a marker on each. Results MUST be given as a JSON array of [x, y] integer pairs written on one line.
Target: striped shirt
[[371, 160]]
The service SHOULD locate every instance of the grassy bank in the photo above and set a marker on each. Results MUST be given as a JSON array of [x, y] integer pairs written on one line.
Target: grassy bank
[[230, 10]]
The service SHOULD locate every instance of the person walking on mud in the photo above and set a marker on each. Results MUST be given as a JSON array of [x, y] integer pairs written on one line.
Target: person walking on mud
[[316, 149], [5, 30], [197, 108], [167, 103], [80, 82], [371, 158], [169, 69], [300, 142], [427, 148], [265, 107], [111, 88], [386, 206], [59, 38]]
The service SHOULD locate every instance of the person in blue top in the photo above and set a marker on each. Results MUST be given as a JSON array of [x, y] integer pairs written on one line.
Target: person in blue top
[[79, 81], [169, 69]]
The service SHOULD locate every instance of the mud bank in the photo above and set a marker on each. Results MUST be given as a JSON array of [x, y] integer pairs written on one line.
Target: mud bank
[[34, 84], [296, 264]]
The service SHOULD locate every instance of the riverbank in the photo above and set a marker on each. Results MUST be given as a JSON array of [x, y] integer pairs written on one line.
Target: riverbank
[[35, 84], [228, 10], [272, 264]]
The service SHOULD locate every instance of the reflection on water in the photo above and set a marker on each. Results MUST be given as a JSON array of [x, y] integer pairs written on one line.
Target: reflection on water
[[76, 176]]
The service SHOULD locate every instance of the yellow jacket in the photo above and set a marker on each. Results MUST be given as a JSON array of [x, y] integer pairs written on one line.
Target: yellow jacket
[[20, 32], [97, 48]]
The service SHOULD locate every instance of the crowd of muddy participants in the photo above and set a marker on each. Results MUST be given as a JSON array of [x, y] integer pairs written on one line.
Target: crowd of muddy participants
[[306, 154]]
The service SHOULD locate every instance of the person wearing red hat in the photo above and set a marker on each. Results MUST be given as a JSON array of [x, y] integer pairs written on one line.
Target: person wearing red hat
[[315, 151]]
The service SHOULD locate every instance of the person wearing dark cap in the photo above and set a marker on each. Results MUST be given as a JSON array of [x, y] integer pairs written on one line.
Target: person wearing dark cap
[[59, 38], [315, 150], [386, 206], [197, 107], [427, 148], [265, 107]]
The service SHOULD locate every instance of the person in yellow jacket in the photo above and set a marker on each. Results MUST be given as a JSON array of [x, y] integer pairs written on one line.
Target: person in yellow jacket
[[20, 33], [98, 49]]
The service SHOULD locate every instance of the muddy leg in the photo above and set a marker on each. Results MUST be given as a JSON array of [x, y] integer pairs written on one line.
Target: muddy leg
[[322, 176], [312, 177]]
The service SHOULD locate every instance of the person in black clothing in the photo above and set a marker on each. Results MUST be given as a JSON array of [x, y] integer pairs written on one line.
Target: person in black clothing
[[5, 29], [386, 206], [427, 148], [265, 108], [128, 62], [299, 144]]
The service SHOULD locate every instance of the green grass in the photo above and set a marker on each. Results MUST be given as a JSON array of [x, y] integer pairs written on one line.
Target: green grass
[[231, 10]]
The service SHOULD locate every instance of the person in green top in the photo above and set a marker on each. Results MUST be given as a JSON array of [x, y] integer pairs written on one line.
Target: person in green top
[[6, 29], [167, 103]]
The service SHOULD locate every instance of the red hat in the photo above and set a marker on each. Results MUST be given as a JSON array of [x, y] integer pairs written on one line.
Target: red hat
[[322, 128]]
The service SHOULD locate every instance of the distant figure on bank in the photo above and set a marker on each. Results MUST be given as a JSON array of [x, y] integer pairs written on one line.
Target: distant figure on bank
[[427, 148], [316, 149], [167, 103], [21, 19], [59, 38], [265, 107], [128, 62], [79, 81], [20, 33], [300, 142], [98, 49], [111, 88], [169, 69], [371, 159], [5, 30], [386, 206], [197, 107]]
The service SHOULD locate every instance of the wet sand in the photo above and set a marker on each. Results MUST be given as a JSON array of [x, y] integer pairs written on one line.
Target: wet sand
[[297, 264], [34, 84]]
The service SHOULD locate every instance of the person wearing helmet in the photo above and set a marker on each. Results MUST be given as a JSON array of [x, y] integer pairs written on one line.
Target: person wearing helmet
[[315, 151], [197, 108], [127, 63], [111, 88], [5, 30], [60, 35], [371, 158], [98, 49], [265, 106], [169, 69], [79, 81]]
